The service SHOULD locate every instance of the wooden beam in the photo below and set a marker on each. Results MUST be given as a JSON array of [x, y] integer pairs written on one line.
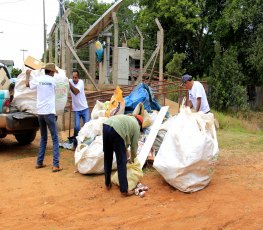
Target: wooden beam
[[115, 50], [141, 50], [160, 43], [152, 135], [147, 65], [56, 46]]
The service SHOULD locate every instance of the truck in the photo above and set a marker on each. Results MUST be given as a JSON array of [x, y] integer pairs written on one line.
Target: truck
[[22, 125]]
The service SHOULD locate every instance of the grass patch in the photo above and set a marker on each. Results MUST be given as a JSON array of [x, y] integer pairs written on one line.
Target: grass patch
[[232, 140], [238, 133]]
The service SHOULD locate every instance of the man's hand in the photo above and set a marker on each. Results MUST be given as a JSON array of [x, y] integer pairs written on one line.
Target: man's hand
[[28, 72]]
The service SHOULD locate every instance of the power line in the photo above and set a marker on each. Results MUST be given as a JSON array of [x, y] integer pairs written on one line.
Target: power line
[[4, 3], [72, 7], [18, 22]]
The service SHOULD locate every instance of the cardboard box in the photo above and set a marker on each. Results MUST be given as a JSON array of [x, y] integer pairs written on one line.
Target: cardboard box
[[33, 63], [4, 80]]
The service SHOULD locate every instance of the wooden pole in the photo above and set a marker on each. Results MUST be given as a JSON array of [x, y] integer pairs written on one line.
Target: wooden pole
[[161, 49], [148, 63], [160, 42], [56, 46], [141, 51], [92, 59], [115, 50], [62, 44], [50, 43]]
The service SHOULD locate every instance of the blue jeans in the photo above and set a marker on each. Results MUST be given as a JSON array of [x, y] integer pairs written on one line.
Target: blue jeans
[[84, 114], [112, 142], [49, 121]]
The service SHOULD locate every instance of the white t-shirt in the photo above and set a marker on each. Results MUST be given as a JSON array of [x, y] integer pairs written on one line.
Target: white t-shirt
[[199, 91], [79, 101], [45, 86]]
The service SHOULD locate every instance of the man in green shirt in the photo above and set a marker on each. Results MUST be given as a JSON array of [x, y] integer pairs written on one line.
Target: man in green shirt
[[120, 132]]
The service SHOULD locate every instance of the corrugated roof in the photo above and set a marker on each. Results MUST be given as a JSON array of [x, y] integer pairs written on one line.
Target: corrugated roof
[[7, 62], [94, 31], [135, 54]]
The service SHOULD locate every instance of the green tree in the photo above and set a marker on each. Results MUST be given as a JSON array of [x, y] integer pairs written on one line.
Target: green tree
[[15, 72], [255, 58], [174, 67], [225, 81]]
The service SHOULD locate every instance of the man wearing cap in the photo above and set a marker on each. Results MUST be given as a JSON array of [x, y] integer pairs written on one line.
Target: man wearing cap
[[120, 132], [45, 86], [79, 103], [197, 95]]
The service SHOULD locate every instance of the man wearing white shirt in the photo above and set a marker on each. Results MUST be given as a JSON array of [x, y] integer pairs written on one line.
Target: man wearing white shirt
[[45, 87], [79, 103], [197, 95]]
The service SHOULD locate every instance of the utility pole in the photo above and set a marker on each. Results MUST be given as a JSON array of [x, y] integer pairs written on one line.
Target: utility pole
[[23, 53], [45, 32]]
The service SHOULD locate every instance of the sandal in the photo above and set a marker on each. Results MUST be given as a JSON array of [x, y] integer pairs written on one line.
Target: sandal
[[56, 169], [40, 166]]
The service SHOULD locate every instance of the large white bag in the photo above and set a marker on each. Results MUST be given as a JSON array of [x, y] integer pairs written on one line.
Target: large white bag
[[98, 110], [91, 158], [25, 99], [188, 152]]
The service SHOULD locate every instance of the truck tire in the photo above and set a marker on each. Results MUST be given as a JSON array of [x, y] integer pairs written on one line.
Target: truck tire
[[26, 138]]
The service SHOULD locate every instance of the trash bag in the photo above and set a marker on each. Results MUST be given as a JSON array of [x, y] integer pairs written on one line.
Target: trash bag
[[90, 158], [98, 110], [188, 153], [116, 104], [134, 174], [141, 93]]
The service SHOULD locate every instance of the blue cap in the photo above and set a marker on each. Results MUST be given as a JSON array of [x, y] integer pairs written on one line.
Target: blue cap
[[186, 78]]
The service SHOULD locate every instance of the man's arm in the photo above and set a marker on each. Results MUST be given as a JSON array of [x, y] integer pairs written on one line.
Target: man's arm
[[73, 89], [28, 72], [198, 104], [134, 145], [190, 104]]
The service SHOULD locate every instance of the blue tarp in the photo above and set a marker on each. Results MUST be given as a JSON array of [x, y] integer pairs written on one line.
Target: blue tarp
[[141, 93]]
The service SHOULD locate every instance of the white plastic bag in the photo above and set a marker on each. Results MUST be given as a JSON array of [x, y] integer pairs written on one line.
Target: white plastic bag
[[90, 158], [61, 90], [134, 174], [25, 99], [98, 110], [188, 152], [91, 129]]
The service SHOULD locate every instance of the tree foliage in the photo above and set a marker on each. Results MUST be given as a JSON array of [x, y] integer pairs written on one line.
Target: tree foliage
[[15, 72], [225, 81], [216, 38], [174, 67]]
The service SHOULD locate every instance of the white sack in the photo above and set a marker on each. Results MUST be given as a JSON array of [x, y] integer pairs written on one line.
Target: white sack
[[90, 159], [91, 129], [61, 90], [98, 110], [25, 99], [187, 154]]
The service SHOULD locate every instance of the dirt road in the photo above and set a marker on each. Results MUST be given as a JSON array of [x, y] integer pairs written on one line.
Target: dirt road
[[39, 199]]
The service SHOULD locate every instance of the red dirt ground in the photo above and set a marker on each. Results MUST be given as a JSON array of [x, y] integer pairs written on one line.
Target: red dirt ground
[[39, 199]]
